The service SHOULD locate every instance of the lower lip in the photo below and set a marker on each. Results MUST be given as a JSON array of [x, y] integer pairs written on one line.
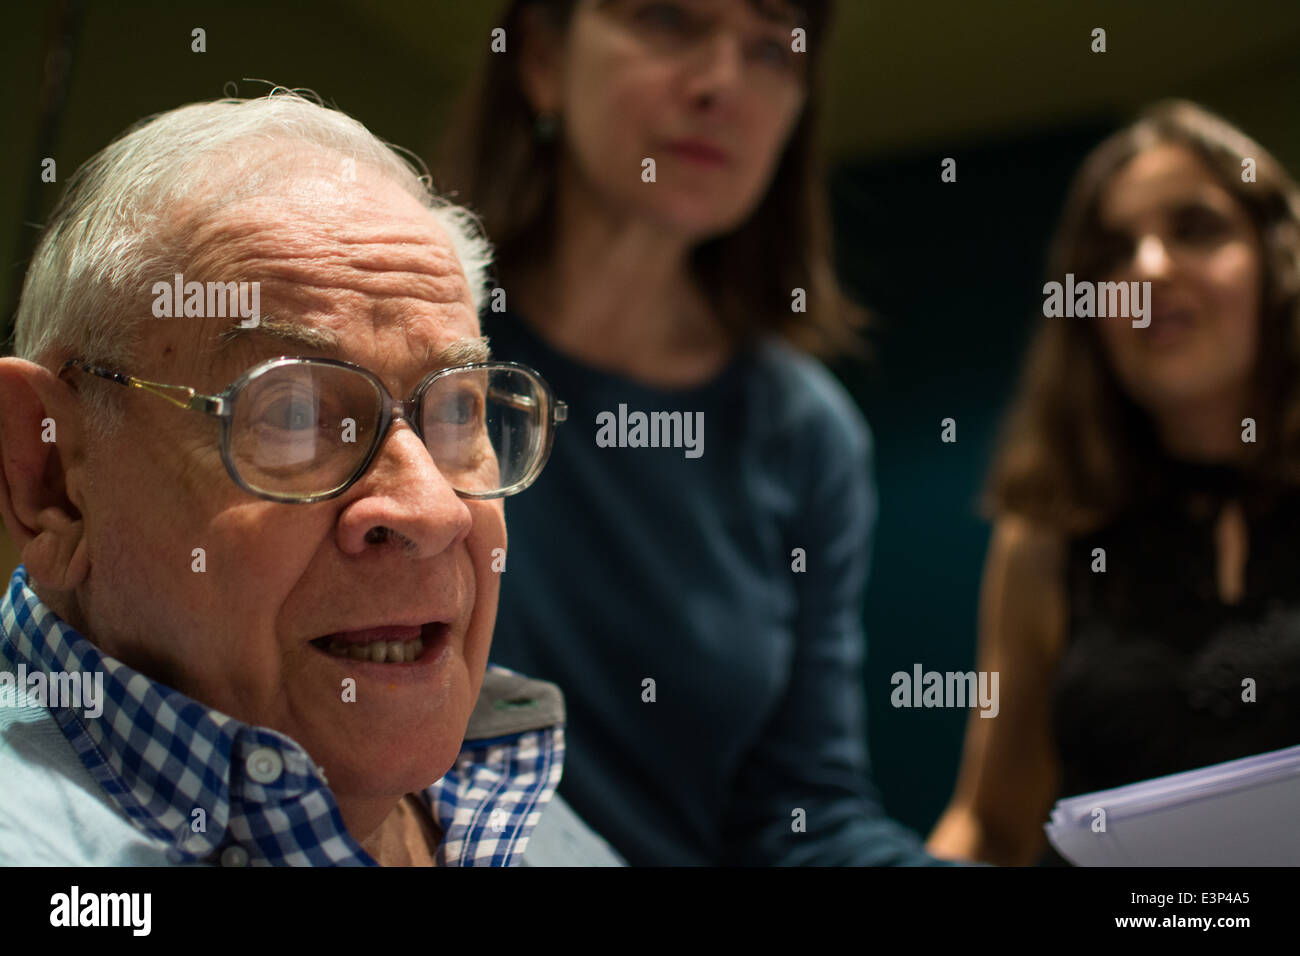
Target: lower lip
[[437, 649], [694, 154]]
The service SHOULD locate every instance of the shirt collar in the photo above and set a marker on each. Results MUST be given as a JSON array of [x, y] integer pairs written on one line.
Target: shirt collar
[[213, 788]]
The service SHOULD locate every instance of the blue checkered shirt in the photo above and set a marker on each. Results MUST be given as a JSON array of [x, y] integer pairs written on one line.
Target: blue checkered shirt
[[159, 757]]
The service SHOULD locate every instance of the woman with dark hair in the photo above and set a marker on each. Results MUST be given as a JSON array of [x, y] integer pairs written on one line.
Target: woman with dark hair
[[646, 170], [1141, 596]]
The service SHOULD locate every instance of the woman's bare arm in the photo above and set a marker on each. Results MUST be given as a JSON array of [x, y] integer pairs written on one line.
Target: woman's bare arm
[[1009, 774]]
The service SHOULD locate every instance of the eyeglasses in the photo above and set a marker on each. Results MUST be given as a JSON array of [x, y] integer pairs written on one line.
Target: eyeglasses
[[305, 429]]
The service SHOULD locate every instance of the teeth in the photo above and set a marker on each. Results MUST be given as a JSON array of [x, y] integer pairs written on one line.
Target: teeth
[[379, 652]]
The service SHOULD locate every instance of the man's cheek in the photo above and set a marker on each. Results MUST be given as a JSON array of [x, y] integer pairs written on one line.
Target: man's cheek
[[487, 550], [487, 538], [193, 471]]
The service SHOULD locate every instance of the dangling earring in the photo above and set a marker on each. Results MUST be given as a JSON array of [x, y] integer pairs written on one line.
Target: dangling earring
[[544, 127]]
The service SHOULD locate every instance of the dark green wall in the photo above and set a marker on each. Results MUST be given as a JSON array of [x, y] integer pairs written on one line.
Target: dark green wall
[[952, 271]]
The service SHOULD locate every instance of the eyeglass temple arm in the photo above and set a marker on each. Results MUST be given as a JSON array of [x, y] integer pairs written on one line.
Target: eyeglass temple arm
[[208, 404], [559, 412]]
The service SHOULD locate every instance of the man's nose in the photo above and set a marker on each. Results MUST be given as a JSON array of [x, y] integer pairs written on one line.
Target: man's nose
[[403, 492]]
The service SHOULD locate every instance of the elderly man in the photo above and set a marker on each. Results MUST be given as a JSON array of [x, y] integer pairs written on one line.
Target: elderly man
[[253, 451]]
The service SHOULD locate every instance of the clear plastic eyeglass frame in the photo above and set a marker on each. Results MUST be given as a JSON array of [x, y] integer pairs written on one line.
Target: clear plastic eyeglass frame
[[222, 406]]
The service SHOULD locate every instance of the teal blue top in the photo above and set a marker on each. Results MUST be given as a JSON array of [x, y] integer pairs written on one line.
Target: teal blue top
[[700, 605]]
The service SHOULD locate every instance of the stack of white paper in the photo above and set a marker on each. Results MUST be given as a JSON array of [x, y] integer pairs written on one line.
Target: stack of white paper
[[1241, 813]]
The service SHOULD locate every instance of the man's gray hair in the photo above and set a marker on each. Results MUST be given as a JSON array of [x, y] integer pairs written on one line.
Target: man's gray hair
[[110, 236]]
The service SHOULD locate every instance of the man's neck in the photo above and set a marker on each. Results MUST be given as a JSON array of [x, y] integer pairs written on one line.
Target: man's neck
[[408, 837]]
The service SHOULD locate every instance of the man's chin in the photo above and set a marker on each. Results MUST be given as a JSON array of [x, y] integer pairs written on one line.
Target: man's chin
[[376, 754], [385, 771], [373, 736]]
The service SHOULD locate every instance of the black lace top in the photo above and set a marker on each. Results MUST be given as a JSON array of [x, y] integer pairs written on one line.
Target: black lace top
[[1155, 667]]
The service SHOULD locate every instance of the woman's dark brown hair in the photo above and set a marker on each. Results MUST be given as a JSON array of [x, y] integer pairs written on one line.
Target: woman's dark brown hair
[[492, 162], [1076, 449]]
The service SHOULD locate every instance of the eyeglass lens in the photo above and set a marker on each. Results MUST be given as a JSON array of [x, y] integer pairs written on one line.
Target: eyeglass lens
[[304, 429]]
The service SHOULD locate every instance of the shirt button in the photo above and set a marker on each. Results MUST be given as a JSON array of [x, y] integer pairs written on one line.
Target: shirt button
[[234, 856], [264, 765]]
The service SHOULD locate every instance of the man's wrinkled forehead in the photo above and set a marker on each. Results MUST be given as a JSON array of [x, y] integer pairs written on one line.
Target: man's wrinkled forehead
[[289, 336], [342, 268], [324, 230]]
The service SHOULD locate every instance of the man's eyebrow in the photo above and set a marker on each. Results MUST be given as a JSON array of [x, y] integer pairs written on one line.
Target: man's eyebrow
[[459, 352], [295, 333]]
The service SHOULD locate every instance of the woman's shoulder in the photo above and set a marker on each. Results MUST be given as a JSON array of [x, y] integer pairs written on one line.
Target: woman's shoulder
[[802, 398], [1027, 560], [1025, 602], [1027, 544]]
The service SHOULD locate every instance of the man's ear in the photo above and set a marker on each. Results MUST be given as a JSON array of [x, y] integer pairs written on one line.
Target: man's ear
[[41, 460], [540, 59]]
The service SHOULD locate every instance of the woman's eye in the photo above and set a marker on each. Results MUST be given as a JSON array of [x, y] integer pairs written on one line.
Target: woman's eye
[[775, 53], [663, 16], [1113, 250], [1198, 224]]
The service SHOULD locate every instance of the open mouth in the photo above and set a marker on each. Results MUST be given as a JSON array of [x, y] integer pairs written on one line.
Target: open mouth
[[385, 645]]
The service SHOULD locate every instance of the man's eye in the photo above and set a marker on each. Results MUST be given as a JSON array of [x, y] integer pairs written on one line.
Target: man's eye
[[460, 409], [290, 415]]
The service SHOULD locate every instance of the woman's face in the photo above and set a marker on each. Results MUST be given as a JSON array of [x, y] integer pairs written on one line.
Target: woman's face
[[708, 89], [1168, 221]]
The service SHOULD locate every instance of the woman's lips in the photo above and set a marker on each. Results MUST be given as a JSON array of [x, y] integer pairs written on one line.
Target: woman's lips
[[699, 152], [1170, 327]]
